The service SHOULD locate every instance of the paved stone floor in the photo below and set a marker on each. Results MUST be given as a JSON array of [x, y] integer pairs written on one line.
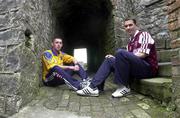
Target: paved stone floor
[[60, 102]]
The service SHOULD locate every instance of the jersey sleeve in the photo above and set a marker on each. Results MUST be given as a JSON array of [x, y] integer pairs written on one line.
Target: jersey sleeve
[[47, 60], [146, 42], [67, 58]]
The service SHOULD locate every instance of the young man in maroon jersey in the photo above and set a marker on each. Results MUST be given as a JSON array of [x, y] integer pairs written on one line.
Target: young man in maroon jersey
[[137, 62]]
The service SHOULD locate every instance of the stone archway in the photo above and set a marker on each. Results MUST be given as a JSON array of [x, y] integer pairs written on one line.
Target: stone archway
[[84, 24]]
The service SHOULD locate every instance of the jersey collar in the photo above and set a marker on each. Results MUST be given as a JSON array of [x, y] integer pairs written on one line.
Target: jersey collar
[[55, 52], [132, 38]]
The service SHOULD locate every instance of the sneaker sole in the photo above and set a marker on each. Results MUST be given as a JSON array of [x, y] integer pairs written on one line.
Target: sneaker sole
[[121, 96], [92, 95]]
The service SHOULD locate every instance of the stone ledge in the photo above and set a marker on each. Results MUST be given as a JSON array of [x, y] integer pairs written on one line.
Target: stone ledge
[[158, 88]]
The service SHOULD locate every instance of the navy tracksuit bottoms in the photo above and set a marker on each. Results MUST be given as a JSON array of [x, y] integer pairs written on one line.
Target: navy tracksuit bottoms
[[54, 77], [125, 66]]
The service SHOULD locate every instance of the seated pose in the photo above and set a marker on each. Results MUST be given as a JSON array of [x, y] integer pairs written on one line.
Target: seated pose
[[55, 72], [138, 62]]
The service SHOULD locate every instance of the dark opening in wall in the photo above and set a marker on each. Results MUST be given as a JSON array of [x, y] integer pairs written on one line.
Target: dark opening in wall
[[29, 39], [83, 24]]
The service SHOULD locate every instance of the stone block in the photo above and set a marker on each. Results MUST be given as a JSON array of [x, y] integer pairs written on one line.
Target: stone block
[[174, 6], [172, 17], [159, 88], [2, 50], [9, 83], [2, 104], [175, 60], [160, 43], [1, 63], [173, 35], [4, 20], [175, 43], [5, 35], [165, 69], [164, 55], [11, 36], [12, 64], [173, 25], [6, 5], [12, 60], [168, 43], [171, 1], [13, 104], [176, 70], [139, 113]]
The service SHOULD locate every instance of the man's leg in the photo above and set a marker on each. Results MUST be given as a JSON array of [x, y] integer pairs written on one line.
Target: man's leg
[[53, 79], [75, 84], [129, 66], [82, 73], [103, 72]]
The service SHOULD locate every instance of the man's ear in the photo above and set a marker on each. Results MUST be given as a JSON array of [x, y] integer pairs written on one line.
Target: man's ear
[[52, 44]]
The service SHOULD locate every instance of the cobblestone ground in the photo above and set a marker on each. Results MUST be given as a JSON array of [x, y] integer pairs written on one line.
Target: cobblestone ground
[[60, 102]]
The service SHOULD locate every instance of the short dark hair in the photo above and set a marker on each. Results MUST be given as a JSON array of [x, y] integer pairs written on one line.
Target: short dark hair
[[131, 18], [56, 38]]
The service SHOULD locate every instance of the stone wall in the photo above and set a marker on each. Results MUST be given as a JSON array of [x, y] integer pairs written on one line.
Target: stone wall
[[174, 27], [151, 16], [25, 30]]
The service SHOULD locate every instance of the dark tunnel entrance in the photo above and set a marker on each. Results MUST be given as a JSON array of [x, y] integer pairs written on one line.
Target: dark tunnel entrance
[[83, 24]]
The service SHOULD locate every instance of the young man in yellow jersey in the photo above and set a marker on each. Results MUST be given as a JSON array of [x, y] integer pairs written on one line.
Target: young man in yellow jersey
[[58, 67]]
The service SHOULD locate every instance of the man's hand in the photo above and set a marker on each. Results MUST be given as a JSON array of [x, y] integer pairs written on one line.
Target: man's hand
[[74, 68], [109, 56], [140, 54]]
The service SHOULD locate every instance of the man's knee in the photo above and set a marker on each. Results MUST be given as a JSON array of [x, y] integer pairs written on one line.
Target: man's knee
[[111, 59], [55, 68], [121, 52]]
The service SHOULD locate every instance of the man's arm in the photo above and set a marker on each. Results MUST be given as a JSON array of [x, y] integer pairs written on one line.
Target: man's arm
[[146, 42], [70, 59]]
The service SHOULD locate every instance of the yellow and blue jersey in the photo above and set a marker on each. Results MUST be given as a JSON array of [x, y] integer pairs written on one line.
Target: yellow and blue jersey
[[51, 59]]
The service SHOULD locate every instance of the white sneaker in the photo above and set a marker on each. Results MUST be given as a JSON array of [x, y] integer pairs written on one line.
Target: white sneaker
[[88, 91], [120, 92], [85, 83]]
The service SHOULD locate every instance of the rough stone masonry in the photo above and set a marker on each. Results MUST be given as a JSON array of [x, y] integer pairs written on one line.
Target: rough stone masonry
[[27, 26]]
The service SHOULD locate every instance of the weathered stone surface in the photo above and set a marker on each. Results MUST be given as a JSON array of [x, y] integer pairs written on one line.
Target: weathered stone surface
[[13, 104], [131, 106], [159, 88], [9, 83], [165, 55], [165, 69], [1, 63], [175, 43], [2, 50], [2, 104], [174, 27], [176, 70], [174, 6], [19, 65], [36, 15], [175, 60]]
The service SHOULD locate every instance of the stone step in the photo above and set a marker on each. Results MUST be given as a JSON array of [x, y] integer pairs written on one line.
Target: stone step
[[164, 55], [158, 88], [165, 69]]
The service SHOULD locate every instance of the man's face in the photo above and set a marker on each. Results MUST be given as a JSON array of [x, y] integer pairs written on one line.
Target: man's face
[[57, 44], [130, 27]]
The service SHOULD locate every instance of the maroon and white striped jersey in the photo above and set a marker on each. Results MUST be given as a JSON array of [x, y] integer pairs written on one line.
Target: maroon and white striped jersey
[[144, 43]]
